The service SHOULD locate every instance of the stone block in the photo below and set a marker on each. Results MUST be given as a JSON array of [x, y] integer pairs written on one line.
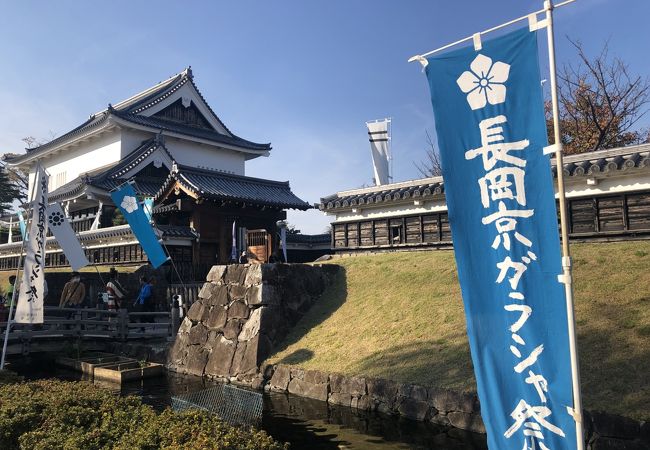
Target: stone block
[[198, 334], [414, 409], [197, 358], [336, 382], [257, 382], [252, 326], [231, 330], [363, 403], [196, 311], [252, 357], [254, 295], [273, 323], [418, 393], [355, 386], [447, 400], [606, 443], [466, 421], [383, 391], [238, 310], [253, 275], [178, 353], [280, 379], [611, 425], [305, 389], [297, 373], [439, 419], [236, 367], [338, 398], [216, 274], [237, 292], [214, 294], [216, 318], [315, 377], [236, 274], [220, 359], [185, 326], [264, 348]]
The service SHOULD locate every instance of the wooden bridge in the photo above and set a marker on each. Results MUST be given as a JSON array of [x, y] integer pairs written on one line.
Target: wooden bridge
[[65, 328]]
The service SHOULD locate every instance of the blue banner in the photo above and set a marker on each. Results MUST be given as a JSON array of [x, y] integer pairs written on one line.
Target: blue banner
[[125, 198], [491, 131], [147, 204], [21, 223]]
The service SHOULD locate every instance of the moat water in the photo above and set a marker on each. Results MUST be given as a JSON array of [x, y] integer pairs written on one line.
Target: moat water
[[305, 423]]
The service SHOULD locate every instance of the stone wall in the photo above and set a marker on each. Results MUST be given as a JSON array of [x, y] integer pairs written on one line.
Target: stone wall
[[242, 314], [440, 406]]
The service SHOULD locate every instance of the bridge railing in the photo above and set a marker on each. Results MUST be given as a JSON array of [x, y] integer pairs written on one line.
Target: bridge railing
[[119, 325], [189, 292]]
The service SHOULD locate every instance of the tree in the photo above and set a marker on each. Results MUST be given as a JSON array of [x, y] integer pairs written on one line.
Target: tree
[[18, 178], [600, 103], [431, 166], [9, 192]]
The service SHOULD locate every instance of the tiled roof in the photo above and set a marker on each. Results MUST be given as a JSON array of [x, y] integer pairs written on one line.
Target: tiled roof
[[602, 162], [323, 238], [425, 188], [112, 177], [234, 188], [174, 127], [124, 231], [129, 110], [605, 161]]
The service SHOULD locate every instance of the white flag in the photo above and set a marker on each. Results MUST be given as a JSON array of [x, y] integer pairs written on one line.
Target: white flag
[[66, 237], [32, 289], [378, 136], [283, 242]]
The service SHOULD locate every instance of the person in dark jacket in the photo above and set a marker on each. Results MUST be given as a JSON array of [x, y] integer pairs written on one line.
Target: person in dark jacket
[[144, 302]]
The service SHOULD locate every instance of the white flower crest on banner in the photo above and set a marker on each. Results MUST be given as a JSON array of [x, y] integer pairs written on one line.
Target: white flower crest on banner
[[484, 83], [129, 204]]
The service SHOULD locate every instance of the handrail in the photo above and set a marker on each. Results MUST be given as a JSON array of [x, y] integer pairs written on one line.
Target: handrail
[[67, 323]]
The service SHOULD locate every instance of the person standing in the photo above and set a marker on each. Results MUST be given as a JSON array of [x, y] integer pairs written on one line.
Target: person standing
[[10, 291], [144, 302], [74, 292], [114, 290]]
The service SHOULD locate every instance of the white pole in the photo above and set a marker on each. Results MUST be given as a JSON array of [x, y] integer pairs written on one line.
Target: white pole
[[566, 255], [22, 250]]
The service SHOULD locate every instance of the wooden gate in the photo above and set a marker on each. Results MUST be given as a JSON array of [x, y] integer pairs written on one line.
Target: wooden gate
[[259, 244]]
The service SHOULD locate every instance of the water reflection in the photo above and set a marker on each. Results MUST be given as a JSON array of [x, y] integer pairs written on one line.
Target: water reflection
[[314, 424]]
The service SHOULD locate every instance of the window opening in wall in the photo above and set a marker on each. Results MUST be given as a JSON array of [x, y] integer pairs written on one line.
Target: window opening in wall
[[395, 234]]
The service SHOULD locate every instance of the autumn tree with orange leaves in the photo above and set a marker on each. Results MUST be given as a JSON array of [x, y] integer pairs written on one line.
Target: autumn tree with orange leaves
[[600, 103]]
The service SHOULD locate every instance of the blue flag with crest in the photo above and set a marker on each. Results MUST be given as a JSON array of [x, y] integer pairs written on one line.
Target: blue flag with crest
[[491, 130], [126, 199]]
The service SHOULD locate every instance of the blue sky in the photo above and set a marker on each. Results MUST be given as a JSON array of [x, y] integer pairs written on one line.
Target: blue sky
[[304, 75]]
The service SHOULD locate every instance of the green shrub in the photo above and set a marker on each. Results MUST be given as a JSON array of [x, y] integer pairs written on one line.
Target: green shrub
[[48, 414]]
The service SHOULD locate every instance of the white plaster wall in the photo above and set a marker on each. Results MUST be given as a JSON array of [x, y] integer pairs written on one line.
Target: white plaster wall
[[90, 155], [132, 139], [380, 212], [203, 156], [620, 182], [634, 180]]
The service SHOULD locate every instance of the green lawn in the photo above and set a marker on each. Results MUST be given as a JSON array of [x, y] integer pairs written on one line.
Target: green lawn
[[400, 316]]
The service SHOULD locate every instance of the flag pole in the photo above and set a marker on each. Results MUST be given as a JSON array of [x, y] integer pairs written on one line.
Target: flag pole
[[566, 276], [20, 257]]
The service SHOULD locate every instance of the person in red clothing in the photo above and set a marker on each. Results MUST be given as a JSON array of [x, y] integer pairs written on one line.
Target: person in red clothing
[[115, 291]]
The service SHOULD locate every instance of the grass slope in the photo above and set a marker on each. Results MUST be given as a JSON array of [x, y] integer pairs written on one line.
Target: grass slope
[[400, 316]]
